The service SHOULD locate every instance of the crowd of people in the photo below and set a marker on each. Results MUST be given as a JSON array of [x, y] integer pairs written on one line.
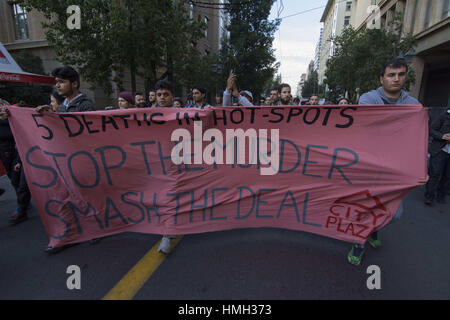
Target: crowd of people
[[67, 97], [197, 98]]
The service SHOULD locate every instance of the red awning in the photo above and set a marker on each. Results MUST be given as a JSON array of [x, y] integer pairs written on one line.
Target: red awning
[[12, 74], [27, 78]]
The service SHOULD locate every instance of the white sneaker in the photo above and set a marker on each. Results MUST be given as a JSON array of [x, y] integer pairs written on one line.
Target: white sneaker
[[164, 247]]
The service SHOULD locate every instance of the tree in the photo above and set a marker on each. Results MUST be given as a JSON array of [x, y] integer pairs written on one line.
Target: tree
[[121, 35], [249, 52], [276, 81], [359, 57], [311, 86]]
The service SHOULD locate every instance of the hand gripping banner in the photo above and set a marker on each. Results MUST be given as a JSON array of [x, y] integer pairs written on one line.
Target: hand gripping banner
[[337, 171]]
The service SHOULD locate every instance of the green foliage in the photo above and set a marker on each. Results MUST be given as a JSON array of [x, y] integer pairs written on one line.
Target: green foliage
[[120, 35], [31, 95], [311, 86], [249, 52], [360, 56], [272, 83]]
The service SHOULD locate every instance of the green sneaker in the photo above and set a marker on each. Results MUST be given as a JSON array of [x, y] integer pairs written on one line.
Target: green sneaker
[[355, 255], [375, 243]]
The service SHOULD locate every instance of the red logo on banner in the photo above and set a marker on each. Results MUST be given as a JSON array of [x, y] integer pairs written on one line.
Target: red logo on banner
[[357, 214]]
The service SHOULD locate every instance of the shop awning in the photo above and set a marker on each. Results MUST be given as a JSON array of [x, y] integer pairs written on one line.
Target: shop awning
[[10, 72]]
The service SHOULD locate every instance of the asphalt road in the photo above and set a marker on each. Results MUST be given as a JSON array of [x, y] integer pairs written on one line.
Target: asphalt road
[[256, 264]]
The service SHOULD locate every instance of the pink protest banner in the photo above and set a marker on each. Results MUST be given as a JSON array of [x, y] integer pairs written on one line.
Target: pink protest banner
[[337, 171]]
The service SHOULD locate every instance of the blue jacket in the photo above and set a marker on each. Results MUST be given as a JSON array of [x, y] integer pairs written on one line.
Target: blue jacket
[[378, 97]]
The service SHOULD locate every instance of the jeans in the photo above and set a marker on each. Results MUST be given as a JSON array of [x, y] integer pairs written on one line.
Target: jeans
[[439, 172], [7, 156]]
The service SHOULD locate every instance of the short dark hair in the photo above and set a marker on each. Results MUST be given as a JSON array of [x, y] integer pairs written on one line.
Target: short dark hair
[[275, 88], [164, 84], [57, 96], [138, 94], [284, 85], [67, 73], [313, 95], [396, 63], [199, 88], [344, 98]]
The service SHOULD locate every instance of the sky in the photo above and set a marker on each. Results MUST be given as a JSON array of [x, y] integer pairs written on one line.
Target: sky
[[296, 39]]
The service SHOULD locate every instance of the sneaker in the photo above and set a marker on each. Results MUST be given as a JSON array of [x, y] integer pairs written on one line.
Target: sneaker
[[428, 202], [355, 255], [2, 191], [164, 246], [375, 243], [17, 217]]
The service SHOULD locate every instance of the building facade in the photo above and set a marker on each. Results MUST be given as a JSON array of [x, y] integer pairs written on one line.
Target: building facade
[[336, 16], [300, 85], [318, 52]]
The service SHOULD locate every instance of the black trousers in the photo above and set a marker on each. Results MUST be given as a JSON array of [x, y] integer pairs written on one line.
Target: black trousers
[[8, 154], [439, 172]]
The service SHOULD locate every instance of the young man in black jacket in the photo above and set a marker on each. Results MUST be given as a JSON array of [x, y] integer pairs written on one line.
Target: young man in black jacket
[[439, 165], [68, 86], [14, 169]]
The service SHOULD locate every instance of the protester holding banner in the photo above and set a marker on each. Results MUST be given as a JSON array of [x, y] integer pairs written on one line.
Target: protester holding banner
[[56, 100], [14, 169], [68, 85], [392, 79], [164, 99]]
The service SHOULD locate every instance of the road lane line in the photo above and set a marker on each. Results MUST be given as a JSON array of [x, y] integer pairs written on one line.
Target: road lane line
[[133, 281]]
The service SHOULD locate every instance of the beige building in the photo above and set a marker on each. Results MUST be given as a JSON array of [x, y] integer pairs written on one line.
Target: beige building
[[336, 16], [300, 85], [429, 22], [20, 30]]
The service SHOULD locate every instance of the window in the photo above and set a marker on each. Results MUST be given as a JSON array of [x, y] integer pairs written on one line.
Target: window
[[348, 6], [346, 20], [446, 9], [191, 11], [428, 14], [20, 22], [206, 20]]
